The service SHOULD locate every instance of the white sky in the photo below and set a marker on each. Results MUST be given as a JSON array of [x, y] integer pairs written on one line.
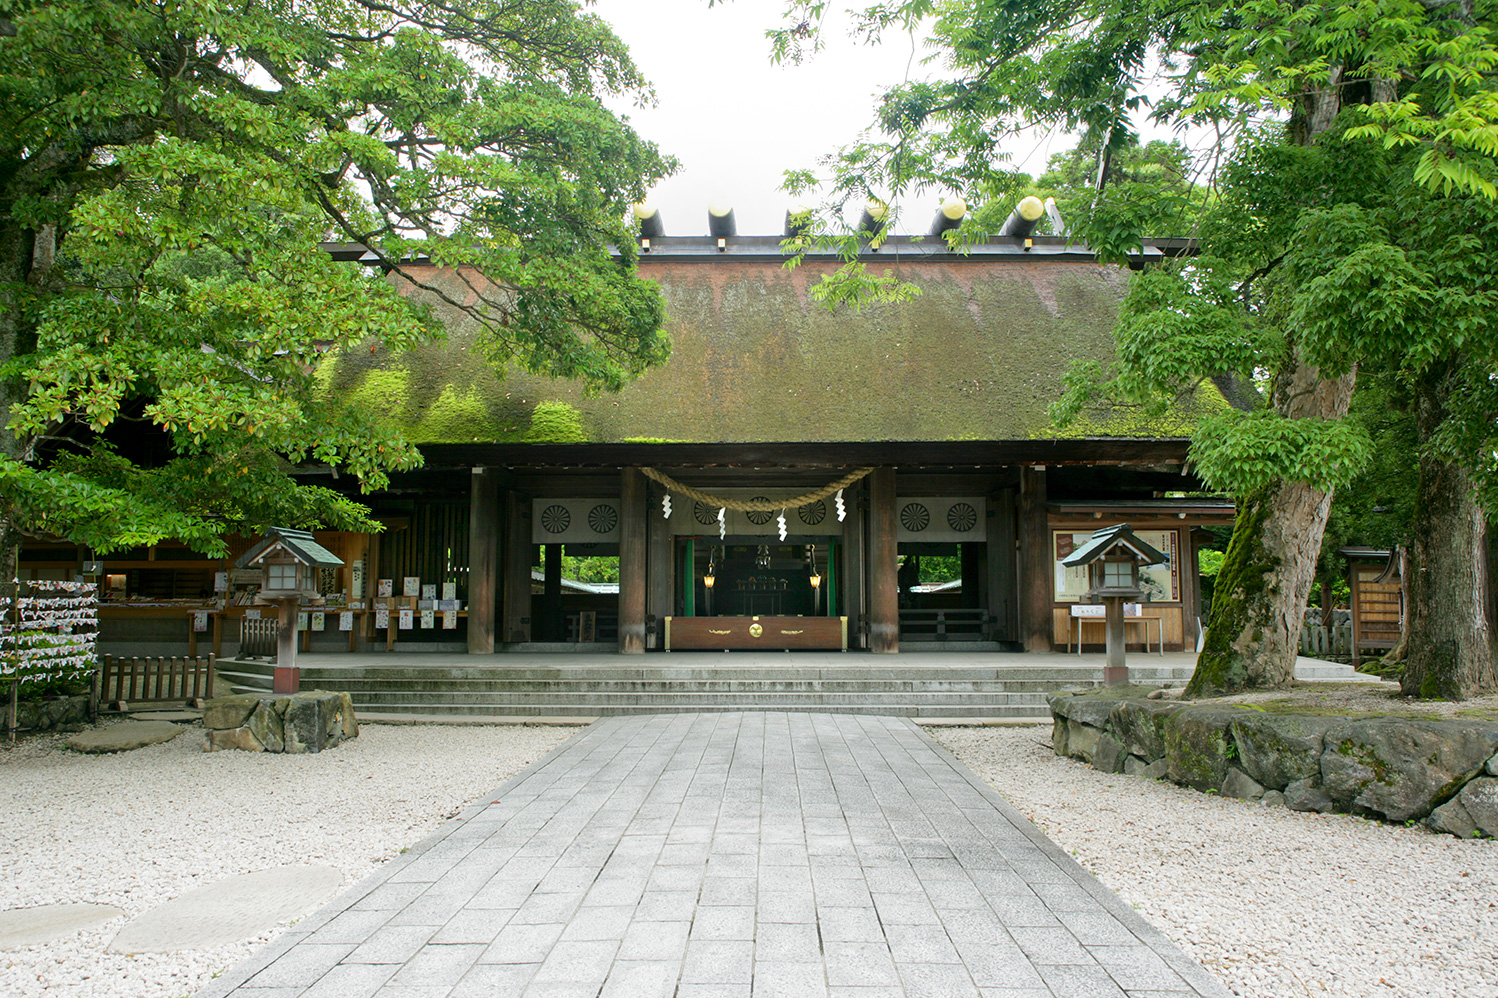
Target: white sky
[[737, 123]]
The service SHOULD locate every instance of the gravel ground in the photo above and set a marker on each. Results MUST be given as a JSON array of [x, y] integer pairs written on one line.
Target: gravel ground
[[1274, 902], [140, 828]]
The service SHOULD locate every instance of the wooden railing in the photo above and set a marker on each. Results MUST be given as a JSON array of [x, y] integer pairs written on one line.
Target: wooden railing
[[156, 680], [943, 625], [257, 637]]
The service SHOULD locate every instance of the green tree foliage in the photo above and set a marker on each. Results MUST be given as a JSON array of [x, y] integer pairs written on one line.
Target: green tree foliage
[[167, 171]]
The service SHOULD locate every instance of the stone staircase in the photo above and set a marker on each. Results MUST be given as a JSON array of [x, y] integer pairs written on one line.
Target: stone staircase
[[980, 686]]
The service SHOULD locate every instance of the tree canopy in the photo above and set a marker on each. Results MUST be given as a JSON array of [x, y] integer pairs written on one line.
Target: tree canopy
[[167, 172]]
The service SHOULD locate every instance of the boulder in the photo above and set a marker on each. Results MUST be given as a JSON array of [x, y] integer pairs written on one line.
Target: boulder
[[1307, 795], [1140, 726], [1239, 784], [1089, 708], [314, 721], [229, 712], [350, 722], [1081, 740], [1196, 747], [1278, 749], [1399, 768], [1273, 797], [1452, 817], [1109, 755], [1480, 799]]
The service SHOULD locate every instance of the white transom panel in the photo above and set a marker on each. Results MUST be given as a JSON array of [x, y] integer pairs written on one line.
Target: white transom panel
[[941, 519], [575, 521]]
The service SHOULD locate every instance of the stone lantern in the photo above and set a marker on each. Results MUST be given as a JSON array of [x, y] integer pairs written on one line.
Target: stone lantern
[[1113, 558], [289, 561]]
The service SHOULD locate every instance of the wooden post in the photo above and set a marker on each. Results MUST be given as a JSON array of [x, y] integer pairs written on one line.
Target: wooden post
[[661, 566], [855, 598], [483, 560], [551, 628], [1115, 671], [972, 575], [632, 567], [884, 599], [516, 555], [1035, 562], [1191, 588], [286, 678], [1002, 566]]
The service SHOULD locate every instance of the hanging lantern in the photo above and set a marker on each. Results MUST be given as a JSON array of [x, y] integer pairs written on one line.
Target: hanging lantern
[[816, 576]]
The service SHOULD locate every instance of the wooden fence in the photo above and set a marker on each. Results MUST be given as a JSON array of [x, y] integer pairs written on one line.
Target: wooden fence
[[1326, 642], [156, 680]]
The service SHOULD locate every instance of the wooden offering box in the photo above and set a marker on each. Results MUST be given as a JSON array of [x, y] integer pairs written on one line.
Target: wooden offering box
[[756, 633]]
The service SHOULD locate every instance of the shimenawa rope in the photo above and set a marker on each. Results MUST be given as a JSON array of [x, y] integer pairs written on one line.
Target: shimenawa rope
[[752, 505]]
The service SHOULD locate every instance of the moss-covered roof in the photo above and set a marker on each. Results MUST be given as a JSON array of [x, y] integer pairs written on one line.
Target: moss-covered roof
[[979, 355]]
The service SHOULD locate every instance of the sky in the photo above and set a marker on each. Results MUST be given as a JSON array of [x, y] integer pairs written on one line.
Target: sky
[[736, 122]]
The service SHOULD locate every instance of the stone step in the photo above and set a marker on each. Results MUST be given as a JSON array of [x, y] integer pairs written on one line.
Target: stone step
[[545, 709]]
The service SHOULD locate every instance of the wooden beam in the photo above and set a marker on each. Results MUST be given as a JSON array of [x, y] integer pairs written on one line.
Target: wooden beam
[[660, 564], [517, 569], [483, 561], [1035, 562], [855, 559], [884, 599], [552, 628], [1003, 566], [633, 579]]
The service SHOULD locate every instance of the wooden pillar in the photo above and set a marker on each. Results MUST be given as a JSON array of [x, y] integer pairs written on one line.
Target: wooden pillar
[[633, 579], [285, 677], [1036, 559], [1115, 669], [884, 600], [661, 566], [1191, 589], [1002, 566], [516, 557], [855, 596], [552, 628], [972, 574], [483, 560]]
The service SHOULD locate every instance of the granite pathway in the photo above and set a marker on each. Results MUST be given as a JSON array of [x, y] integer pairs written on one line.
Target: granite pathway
[[730, 855]]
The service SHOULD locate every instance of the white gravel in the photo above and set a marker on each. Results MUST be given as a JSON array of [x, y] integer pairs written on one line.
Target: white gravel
[[1273, 902], [140, 828]]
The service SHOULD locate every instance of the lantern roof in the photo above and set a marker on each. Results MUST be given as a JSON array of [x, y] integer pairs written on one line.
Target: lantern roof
[[297, 543], [1110, 539]]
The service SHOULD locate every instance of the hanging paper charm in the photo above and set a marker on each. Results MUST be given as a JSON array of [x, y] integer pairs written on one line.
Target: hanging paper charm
[[666, 506], [781, 520], [842, 510], [722, 523]]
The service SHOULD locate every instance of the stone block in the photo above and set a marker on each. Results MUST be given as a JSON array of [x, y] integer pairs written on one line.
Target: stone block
[[1136, 766], [350, 722], [229, 712], [1081, 740], [1108, 756], [1240, 785], [1140, 726], [1400, 769], [1058, 736], [314, 721], [1278, 749], [1307, 795], [267, 727], [1196, 747], [1480, 799], [1452, 818], [231, 738]]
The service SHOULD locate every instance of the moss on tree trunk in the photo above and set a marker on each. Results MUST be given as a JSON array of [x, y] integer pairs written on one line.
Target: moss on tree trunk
[[1448, 656]]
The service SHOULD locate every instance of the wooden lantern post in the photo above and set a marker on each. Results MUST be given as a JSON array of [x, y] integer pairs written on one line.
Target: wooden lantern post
[[1113, 558], [289, 561]]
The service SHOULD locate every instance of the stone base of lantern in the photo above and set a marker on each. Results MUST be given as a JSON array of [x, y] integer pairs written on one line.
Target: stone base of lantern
[[1115, 675], [286, 680]]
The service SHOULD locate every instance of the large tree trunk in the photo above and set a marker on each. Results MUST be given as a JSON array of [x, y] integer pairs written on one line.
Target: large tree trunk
[[1259, 603], [18, 266], [1448, 656]]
